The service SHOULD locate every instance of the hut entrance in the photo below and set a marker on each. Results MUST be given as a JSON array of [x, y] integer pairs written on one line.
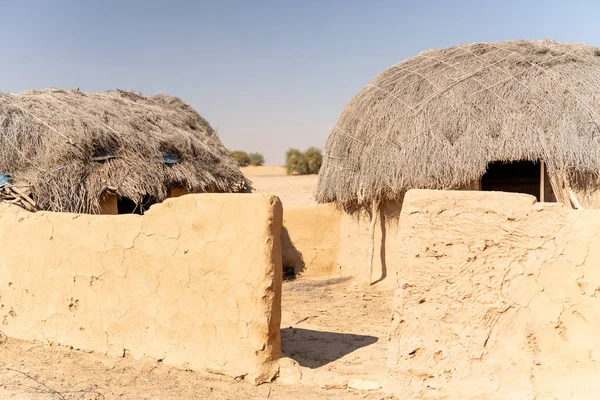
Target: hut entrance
[[112, 204], [128, 206], [519, 177]]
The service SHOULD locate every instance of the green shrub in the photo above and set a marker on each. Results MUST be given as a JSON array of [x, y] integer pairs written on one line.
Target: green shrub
[[241, 157], [314, 160], [256, 159], [295, 162], [299, 163]]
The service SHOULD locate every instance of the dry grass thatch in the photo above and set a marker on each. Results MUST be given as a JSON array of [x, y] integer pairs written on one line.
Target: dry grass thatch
[[438, 119], [72, 148]]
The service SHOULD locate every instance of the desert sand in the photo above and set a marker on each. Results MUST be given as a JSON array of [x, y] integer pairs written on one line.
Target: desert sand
[[292, 190]]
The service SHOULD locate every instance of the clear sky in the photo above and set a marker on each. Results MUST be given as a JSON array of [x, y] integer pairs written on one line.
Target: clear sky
[[268, 74]]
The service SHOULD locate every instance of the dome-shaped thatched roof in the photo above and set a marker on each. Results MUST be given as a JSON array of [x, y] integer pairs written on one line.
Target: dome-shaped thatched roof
[[72, 148], [438, 119]]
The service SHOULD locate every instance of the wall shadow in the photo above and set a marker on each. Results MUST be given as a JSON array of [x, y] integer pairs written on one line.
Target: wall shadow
[[314, 349], [292, 259]]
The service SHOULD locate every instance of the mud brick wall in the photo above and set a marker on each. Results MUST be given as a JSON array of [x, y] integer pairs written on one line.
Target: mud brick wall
[[195, 282]]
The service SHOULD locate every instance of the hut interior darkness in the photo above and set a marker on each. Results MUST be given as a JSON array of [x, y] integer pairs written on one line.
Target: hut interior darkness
[[527, 177]]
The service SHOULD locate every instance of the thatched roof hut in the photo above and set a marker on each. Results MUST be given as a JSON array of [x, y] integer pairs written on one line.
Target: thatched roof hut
[[70, 149], [439, 119]]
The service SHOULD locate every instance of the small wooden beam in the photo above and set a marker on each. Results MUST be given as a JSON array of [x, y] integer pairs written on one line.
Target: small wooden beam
[[23, 195], [574, 200], [542, 178]]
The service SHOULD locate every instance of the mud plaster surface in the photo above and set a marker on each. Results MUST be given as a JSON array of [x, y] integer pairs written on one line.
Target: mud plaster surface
[[195, 282], [498, 298]]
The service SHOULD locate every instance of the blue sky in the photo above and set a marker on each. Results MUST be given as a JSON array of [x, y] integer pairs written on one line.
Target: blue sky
[[268, 74]]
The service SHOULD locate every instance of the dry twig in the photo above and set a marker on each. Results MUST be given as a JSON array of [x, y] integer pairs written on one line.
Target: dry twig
[[32, 384]]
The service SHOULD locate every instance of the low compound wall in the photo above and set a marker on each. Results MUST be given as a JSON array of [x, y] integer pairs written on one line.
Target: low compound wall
[[311, 238], [194, 282], [325, 241], [498, 298]]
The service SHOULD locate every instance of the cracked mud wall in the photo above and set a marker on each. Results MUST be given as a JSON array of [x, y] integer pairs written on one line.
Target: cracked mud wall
[[497, 298], [195, 282]]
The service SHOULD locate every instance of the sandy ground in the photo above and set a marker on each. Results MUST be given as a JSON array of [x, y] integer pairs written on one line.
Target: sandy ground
[[335, 331], [336, 327], [293, 190]]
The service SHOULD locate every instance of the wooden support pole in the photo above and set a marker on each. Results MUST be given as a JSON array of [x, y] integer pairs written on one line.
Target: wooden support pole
[[542, 179], [374, 212]]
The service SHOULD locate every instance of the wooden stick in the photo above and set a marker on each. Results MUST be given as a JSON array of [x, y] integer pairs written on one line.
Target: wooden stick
[[374, 214], [26, 206], [574, 200], [23, 195], [542, 178]]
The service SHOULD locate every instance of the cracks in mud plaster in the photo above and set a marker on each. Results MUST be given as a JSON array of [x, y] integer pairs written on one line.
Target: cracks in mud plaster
[[51, 226], [139, 232], [252, 319], [542, 247]]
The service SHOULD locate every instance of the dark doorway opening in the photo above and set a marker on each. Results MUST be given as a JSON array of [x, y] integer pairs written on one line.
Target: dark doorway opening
[[527, 177], [128, 206]]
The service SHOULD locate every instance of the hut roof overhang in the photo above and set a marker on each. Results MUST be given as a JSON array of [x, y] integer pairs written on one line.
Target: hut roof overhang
[[71, 148], [436, 120]]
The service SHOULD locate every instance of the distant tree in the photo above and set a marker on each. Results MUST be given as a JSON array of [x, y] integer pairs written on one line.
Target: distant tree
[[295, 162], [314, 160], [256, 159], [241, 157]]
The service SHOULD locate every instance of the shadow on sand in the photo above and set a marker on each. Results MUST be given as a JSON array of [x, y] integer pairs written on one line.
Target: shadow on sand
[[314, 349]]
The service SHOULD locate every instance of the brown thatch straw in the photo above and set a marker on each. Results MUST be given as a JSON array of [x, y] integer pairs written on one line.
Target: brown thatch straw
[[438, 119], [72, 148]]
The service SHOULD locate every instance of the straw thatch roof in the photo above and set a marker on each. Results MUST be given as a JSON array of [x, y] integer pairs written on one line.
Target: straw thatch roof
[[72, 148], [438, 119]]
